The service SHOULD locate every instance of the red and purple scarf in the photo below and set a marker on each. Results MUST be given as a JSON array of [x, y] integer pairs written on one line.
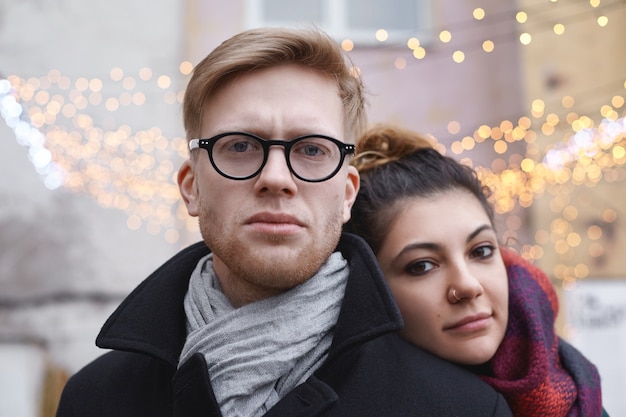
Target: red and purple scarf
[[538, 373]]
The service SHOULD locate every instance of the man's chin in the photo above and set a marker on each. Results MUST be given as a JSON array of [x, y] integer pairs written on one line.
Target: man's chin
[[281, 267]]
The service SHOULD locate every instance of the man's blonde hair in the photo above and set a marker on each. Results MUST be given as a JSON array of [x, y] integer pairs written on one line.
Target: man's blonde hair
[[267, 47]]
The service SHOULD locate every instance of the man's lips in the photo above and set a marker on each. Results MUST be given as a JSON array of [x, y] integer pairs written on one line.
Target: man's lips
[[472, 322], [278, 218], [275, 223]]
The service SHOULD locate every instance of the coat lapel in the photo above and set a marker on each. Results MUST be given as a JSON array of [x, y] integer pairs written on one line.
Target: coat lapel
[[306, 400], [192, 391]]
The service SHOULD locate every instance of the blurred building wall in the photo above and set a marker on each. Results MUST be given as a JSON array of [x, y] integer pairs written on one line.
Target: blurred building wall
[[67, 258]]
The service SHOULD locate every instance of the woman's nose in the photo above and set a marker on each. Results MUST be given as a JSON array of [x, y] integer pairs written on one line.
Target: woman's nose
[[465, 284]]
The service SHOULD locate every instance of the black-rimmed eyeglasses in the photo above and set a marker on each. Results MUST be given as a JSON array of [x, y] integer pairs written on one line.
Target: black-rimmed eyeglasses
[[241, 155]]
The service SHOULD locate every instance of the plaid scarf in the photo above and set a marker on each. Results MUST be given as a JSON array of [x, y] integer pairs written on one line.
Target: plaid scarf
[[538, 373]]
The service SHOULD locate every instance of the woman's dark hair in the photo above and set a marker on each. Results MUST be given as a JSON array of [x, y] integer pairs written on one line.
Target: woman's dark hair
[[396, 165]]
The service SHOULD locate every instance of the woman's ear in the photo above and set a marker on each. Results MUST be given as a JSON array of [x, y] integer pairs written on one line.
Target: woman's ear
[[188, 188]]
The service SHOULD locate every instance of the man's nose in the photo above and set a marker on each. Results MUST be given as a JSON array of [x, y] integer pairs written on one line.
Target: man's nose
[[276, 175]]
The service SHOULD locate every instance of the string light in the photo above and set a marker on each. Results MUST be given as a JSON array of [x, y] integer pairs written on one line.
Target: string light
[[132, 171], [542, 21], [29, 136]]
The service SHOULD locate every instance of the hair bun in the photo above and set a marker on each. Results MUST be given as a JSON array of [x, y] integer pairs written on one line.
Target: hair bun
[[385, 143]]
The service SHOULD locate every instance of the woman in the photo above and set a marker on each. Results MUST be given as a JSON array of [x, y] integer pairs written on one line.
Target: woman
[[462, 297]]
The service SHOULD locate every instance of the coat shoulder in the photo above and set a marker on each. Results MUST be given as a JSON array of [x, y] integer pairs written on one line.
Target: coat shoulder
[[405, 380], [114, 382]]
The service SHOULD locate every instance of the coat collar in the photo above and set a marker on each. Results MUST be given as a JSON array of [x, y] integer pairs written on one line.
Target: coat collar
[[151, 320]]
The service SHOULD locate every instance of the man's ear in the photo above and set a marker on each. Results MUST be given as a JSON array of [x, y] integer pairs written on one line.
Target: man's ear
[[353, 182], [188, 188]]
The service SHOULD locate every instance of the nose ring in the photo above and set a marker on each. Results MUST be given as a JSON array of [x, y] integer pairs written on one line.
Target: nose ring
[[456, 297]]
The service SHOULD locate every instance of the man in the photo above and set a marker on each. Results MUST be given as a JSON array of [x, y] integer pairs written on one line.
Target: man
[[284, 315]]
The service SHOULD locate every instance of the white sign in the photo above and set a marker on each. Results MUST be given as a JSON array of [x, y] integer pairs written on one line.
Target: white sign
[[596, 325], [22, 378]]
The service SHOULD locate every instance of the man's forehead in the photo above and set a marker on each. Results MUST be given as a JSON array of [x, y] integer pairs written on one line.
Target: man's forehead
[[292, 101]]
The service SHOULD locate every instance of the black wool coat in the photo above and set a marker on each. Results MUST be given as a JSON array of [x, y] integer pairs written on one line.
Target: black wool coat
[[369, 371]]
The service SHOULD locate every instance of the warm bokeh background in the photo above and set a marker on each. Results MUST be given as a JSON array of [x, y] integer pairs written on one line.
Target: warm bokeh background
[[530, 92]]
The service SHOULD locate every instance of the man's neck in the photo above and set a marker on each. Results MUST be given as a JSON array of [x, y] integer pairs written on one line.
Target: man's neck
[[239, 291]]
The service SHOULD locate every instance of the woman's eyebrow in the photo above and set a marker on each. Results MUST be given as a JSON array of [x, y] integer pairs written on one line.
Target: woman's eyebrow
[[436, 247], [478, 231], [419, 245]]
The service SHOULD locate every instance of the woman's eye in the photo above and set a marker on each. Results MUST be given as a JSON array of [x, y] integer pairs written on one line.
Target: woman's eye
[[420, 267], [484, 251]]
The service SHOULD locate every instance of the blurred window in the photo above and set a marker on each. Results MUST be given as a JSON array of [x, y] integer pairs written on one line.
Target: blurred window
[[357, 20]]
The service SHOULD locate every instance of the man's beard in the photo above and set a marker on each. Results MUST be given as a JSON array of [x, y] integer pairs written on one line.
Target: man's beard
[[277, 274]]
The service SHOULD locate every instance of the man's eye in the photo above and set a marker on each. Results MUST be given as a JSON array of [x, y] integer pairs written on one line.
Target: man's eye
[[243, 146], [312, 150], [235, 144], [420, 267]]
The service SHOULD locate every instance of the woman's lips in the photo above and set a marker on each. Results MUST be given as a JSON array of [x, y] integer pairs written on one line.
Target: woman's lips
[[471, 323]]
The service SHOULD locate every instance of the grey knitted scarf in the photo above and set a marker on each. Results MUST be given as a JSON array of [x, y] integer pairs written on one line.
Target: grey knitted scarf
[[259, 352]]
